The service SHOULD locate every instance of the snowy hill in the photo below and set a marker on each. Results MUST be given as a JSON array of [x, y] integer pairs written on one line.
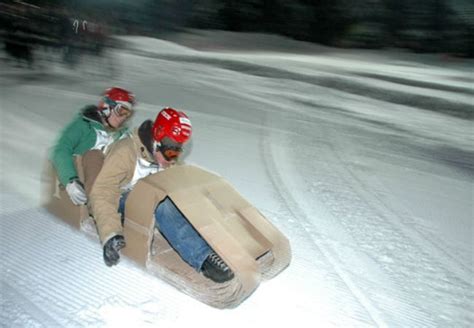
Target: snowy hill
[[364, 160]]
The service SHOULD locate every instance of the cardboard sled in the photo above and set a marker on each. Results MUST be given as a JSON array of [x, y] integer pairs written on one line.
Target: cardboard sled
[[250, 245]]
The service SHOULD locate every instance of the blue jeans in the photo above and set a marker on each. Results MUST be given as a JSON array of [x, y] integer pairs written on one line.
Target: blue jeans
[[181, 235]]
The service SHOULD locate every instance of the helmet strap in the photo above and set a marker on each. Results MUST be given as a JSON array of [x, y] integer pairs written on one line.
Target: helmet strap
[[105, 114], [106, 119], [156, 146]]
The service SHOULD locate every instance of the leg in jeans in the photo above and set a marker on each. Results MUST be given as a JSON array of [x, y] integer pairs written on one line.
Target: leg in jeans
[[181, 235], [121, 208]]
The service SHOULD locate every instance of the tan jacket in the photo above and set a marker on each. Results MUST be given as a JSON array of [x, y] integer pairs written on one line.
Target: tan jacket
[[125, 163]]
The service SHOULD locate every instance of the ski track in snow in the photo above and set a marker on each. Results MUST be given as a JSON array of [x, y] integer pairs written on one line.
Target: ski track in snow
[[336, 267], [361, 256], [410, 260]]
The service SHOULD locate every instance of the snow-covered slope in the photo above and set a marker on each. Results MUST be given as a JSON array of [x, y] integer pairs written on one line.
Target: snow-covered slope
[[363, 159]]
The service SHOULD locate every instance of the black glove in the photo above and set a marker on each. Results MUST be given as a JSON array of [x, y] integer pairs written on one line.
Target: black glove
[[112, 248]]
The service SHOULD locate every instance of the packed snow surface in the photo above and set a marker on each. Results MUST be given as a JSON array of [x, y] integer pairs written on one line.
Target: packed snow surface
[[363, 159]]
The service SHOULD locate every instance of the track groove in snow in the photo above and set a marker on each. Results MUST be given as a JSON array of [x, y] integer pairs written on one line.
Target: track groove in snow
[[387, 243], [372, 192], [34, 314], [394, 248], [300, 219]]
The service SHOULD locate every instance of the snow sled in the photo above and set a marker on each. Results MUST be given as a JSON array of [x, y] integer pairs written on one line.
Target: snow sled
[[250, 245]]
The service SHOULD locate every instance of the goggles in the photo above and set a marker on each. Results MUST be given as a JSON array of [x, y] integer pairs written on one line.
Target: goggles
[[169, 149], [120, 109]]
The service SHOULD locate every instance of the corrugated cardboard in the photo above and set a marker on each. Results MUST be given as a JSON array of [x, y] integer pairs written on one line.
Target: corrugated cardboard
[[250, 245], [56, 200]]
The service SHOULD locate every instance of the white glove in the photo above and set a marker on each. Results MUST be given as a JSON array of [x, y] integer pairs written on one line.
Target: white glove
[[76, 192]]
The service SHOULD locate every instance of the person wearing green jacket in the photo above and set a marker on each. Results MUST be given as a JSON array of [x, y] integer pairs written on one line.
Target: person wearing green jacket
[[89, 135]]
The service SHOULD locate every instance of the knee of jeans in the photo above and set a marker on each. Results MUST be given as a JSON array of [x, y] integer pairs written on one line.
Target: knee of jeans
[[164, 208], [167, 204]]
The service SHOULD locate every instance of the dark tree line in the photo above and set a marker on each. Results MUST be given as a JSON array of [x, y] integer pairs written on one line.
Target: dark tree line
[[424, 26]]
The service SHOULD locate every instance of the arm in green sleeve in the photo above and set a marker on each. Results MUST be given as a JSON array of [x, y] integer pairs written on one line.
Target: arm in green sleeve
[[63, 151]]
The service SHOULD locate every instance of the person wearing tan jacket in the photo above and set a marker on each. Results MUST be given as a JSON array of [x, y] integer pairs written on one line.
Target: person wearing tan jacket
[[154, 146]]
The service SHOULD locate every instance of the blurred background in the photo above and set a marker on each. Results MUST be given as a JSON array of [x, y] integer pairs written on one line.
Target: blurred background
[[69, 30]]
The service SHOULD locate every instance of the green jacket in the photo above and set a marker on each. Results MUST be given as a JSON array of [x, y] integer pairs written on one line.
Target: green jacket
[[85, 132]]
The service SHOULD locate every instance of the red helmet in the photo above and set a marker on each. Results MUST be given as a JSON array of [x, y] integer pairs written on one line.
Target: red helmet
[[172, 124], [115, 99]]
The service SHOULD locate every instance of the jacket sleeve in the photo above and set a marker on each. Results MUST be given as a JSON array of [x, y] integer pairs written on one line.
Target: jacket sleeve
[[64, 149], [117, 171]]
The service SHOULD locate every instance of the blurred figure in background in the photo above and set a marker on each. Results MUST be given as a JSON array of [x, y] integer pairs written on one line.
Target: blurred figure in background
[[32, 34], [17, 32], [89, 134]]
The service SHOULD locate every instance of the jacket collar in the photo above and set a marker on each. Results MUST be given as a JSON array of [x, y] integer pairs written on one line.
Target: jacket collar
[[140, 147], [94, 123]]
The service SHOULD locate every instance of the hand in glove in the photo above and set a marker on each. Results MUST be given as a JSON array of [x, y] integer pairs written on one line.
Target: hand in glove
[[112, 248], [75, 190]]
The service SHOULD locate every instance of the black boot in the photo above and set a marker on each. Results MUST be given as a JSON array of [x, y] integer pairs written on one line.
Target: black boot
[[215, 269], [112, 248]]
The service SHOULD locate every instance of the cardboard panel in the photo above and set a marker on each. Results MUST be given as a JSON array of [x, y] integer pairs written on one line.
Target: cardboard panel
[[138, 242], [180, 177], [199, 210], [251, 238], [268, 231], [57, 201], [140, 220], [217, 205], [142, 201], [224, 196]]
